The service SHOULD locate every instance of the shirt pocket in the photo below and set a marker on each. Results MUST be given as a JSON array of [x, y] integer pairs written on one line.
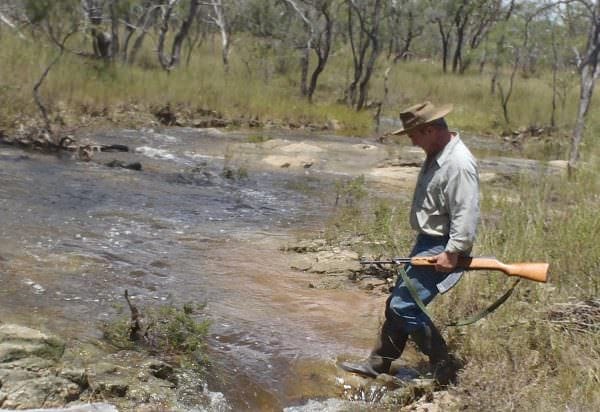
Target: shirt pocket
[[435, 199]]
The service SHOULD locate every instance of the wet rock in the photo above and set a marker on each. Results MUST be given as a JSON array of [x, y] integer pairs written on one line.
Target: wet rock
[[329, 405], [289, 161], [434, 402], [76, 375], [307, 246], [338, 265], [335, 261], [37, 392], [125, 165], [161, 370], [30, 372], [111, 386], [17, 342]]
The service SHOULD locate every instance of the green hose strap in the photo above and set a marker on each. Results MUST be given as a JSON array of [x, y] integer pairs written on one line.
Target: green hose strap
[[464, 322], [487, 310]]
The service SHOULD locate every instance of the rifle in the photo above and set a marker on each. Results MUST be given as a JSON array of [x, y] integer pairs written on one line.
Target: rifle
[[537, 272]]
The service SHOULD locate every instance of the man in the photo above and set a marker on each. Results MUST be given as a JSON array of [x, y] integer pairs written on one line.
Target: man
[[445, 213]]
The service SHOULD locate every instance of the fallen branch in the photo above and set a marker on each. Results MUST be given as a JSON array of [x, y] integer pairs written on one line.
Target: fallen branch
[[137, 330], [579, 316]]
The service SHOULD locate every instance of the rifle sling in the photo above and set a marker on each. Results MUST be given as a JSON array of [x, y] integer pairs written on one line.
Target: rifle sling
[[464, 322]]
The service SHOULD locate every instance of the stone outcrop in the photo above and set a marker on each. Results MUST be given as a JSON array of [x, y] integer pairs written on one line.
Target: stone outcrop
[[38, 370], [30, 372]]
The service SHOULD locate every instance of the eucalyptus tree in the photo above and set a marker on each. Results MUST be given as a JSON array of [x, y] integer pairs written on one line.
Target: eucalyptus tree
[[317, 18], [588, 64], [138, 18], [272, 28], [170, 61], [465, 24], [218, 13], [404, 23], [364, 19]]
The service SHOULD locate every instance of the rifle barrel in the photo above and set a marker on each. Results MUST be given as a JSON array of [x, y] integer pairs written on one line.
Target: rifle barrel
[[385, 261]]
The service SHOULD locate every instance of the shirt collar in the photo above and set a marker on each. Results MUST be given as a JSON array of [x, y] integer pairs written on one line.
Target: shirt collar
[[442, 156]]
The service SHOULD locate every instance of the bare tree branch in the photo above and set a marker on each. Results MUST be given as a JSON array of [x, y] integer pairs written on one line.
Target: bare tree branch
[[38, 84]]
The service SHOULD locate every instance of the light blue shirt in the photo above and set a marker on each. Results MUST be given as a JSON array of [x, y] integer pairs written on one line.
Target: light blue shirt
[[446, 198]]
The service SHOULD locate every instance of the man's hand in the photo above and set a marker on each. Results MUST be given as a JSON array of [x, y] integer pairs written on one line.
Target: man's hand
[[445, 261]]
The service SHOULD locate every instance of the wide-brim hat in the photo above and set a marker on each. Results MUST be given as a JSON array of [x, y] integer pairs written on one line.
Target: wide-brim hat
[[420, 114]]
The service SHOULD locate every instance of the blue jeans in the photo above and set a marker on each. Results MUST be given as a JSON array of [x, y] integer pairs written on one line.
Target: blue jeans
[[402, 311]]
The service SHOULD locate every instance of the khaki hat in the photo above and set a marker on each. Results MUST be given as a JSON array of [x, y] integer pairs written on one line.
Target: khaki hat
[[421, 114]]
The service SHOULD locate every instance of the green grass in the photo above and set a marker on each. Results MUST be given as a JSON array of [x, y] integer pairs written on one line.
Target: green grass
[[174, 333]]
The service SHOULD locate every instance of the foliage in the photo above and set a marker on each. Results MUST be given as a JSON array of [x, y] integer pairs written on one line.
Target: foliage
[[171, 331], [177, 331]]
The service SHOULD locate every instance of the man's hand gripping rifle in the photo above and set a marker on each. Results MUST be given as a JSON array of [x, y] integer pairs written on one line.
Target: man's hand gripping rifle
[[537, 272]]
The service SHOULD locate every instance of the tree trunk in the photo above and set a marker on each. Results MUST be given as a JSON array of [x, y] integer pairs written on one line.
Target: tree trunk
[[114, 29], [445, 46], [304, 61], [589, 68], [168, 63], [368, 38], [357, 59], [322, 50], [146, 20], [589, 74], [221, 21], [457, 60]]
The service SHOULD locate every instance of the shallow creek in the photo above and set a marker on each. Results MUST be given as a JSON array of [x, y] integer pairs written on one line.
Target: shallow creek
[[76, 234]]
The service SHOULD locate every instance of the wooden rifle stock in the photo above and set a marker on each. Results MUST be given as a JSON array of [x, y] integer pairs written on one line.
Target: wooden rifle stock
[[537, 272]]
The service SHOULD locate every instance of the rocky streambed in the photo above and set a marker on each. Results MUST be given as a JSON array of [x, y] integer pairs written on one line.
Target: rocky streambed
[[211, 218]]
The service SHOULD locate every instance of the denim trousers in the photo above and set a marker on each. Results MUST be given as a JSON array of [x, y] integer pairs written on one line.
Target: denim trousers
[[402, 312]]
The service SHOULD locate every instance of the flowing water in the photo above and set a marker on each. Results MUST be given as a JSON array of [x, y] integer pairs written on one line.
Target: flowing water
[[75, 235], [197, 224]]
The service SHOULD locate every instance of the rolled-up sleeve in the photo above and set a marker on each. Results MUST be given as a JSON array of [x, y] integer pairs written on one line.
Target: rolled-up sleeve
[[462, 197]]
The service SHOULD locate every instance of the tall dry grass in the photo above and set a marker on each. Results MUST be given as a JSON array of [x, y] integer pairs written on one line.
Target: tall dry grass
[[540, 351], [263, 83]]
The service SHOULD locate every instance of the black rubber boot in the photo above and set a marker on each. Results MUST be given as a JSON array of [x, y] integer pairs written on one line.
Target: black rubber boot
[[443, 366], [389, 347]]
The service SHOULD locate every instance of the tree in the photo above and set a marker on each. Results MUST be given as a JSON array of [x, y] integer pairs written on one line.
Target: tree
[[402, 25], [171, 61], [588, 65], [317, 20], [466, 23], [363, 28], [218, 16], [147, 15]]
